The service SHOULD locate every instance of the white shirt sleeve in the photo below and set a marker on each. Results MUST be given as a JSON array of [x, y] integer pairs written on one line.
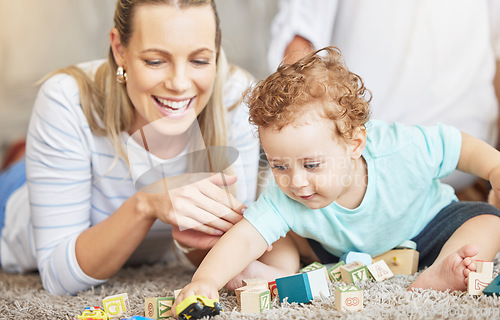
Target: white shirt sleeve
[[310, 19], [59, 180]]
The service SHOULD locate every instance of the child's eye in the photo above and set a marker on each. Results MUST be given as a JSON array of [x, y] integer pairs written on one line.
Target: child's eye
[[312, 165], [278, 167]]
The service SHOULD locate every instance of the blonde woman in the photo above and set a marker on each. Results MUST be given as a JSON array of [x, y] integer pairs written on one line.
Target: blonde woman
[[164, 101]]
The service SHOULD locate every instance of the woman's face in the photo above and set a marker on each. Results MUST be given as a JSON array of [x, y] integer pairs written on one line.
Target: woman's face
[[170, 65]]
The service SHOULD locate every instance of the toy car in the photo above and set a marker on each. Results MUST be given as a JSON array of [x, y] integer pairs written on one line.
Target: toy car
[[93, 313], [196, 307]]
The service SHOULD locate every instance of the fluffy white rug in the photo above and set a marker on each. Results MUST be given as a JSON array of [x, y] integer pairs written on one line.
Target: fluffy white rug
[[22, 297]]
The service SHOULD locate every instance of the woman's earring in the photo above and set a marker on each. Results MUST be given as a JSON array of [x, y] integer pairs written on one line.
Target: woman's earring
[[121, 75]]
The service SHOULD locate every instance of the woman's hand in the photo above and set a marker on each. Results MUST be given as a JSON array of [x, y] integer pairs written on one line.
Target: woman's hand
[[195, 202]]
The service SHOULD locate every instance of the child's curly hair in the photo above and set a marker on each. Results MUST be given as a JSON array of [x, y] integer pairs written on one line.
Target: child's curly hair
[[282, 97]]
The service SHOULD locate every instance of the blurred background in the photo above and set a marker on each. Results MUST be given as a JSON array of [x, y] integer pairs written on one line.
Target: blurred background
[[37, 37]]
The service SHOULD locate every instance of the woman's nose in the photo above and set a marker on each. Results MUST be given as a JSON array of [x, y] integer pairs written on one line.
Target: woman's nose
[[178, 79]]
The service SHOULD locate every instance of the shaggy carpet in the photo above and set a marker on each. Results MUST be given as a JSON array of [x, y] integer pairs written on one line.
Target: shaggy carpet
[[22, 297]]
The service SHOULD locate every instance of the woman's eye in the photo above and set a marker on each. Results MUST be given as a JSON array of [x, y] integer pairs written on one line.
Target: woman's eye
[[153, 63], [201, 62], [312, 165]]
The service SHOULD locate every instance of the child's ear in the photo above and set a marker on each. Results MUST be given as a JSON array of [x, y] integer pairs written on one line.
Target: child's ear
[[358, 142]]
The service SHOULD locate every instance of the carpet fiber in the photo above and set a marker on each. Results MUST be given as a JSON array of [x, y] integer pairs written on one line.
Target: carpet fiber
[[22, 297]]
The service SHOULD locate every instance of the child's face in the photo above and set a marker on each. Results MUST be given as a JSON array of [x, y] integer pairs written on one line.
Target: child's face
[[310, 165]]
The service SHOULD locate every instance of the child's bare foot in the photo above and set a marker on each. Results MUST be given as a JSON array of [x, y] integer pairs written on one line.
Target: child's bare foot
[[254, 270], [450, 272]]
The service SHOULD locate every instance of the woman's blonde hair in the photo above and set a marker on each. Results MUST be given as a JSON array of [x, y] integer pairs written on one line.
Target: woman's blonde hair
[[321, 76], [106, 104]]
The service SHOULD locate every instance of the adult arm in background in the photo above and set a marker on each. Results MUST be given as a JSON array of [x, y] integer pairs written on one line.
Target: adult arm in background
[[299, 20], [78, 244]]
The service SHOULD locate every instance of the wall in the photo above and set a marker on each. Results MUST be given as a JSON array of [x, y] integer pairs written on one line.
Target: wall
[[37, 37]]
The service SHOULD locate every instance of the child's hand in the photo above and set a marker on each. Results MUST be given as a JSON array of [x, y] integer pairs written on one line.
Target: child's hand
[[204, 288]]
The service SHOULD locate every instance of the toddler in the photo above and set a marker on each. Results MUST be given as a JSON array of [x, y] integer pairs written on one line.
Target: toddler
[[343, 182]]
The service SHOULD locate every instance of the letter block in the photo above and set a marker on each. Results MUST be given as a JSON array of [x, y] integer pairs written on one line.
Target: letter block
[[484, 267], [303, 287], [354, 272], [248, 284], [334, 271], [159, 307], [380, 271], [477, 282], [255, 300], [117, 305], [273, 288], [400, 261], [348, 298], [311, 267]]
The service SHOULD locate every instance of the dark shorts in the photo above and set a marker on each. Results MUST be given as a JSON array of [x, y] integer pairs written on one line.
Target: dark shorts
[[433, 237]]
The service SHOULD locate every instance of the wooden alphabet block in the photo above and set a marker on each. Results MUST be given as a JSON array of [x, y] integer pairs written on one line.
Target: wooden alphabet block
[[318, 281], [273, 288], [250, 284], [311, 267], [254, 282], [158, 307], [255, 300], [477, 282], [493, 287], [303, 287], [295, 288], [316, 266], [484, 267], [354, 272], [380, 271], [400, 261], [334, 271], [348, 298], [117, 305]]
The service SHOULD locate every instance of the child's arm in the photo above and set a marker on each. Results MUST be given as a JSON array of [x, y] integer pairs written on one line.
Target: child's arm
[[236, 249], [479, 158]]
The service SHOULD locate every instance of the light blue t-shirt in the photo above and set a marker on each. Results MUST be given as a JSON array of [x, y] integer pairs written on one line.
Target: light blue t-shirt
[[403, 193]]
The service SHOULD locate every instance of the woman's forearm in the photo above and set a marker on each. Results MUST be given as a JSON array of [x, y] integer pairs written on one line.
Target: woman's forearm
[[103, 249]]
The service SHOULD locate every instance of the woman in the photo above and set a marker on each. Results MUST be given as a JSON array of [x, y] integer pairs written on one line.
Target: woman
[[114, 147]]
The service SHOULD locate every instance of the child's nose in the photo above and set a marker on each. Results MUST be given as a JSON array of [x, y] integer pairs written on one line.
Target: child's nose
[[299, 179]]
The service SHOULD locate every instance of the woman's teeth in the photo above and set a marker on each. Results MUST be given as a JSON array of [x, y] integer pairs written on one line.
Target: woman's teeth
[[178, 106]]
